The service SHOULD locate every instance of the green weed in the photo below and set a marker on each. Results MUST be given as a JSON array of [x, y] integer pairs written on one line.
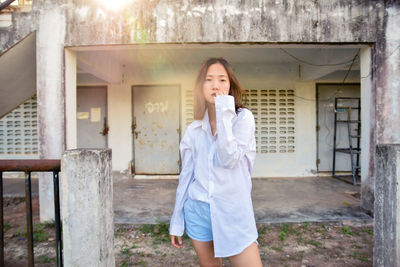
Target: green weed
[[6, 226], [314, 243], [19, 233], [368, 231], [299, 240], [39, 233], [280, 248], [46, 259], [263, 230], [346, 231], [284, 232], [126, 251], [359, 256]]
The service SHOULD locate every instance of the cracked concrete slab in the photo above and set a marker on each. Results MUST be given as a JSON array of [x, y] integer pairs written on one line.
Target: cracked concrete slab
[[275, 200]]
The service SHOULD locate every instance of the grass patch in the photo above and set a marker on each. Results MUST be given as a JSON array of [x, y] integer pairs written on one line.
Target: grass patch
[[299, 240], [45, 259], [126, 251], [359, 256], [263, 230], [346, 231], [39, 232], [6, 226], [19, 233], [283, 234], [314, 243], [368, 231], [280, 248], [305, 226]]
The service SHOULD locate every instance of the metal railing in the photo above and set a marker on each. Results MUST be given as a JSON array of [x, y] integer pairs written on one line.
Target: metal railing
[[29, 166], [13, 5]]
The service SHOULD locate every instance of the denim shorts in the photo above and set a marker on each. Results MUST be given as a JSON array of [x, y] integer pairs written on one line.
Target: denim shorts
[[198, 220]]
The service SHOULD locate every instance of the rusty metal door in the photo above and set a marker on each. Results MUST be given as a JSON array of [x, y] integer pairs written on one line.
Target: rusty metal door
[[92, 117], [155, 129]]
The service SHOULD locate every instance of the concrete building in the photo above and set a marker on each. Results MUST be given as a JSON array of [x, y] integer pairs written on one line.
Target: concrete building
[[119, 74]]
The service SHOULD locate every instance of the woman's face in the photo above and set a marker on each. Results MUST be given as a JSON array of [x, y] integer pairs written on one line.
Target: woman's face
[[216, 82]]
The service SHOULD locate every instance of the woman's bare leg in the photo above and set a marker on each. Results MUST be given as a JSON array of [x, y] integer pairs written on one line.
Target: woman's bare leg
[[250, 257], [205, 253]]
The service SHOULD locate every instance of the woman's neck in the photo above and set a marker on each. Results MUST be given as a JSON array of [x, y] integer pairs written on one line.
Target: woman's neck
[[212, 118]]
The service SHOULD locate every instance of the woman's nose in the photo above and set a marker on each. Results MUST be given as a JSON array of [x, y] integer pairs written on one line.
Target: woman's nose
[[215, 85]]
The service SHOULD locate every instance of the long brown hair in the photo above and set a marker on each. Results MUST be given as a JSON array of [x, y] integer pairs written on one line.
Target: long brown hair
[[235, 90]]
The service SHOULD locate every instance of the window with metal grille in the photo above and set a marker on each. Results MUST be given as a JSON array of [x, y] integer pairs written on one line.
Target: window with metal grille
[[274, 115], [188, 107], [19, 132]]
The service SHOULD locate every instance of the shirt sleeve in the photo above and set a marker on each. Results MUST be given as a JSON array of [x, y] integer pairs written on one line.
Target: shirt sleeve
[[232, 145], [177, 225]]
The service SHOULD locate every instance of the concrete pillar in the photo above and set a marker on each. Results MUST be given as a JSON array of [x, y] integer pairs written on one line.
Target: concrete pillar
[[70, 99], [386, 65], [87, 208], [50, 95], [387, 208], [368, 143]]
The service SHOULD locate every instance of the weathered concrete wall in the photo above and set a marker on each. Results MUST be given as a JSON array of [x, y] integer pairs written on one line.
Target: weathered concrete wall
[[368, 100], [87, 208], [386, 80], [386, 66], [166, 21], [387, 208], [23, 23], [50, 96]]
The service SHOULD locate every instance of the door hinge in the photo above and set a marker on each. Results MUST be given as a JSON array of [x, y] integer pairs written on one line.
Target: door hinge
[[318, 161], [318, 128]]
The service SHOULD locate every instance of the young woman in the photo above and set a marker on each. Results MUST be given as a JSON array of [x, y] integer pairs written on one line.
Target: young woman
[[213, 198]]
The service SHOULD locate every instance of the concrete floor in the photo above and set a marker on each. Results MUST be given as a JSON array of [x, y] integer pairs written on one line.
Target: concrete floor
[[275, 200]]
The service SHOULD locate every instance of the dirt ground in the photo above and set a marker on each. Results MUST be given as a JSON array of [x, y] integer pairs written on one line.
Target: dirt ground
[[305, 244]]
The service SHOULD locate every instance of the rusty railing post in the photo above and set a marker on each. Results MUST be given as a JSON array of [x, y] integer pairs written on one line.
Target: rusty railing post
[[29, 166], [1, 221], [29, 224], [57, 218]]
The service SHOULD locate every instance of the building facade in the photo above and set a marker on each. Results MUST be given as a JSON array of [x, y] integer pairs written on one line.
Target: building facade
[[111, 76]]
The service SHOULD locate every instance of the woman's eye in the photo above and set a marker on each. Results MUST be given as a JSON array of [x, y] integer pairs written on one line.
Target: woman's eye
[[223, 80]]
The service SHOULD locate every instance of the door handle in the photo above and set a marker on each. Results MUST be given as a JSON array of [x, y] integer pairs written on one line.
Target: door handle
[[106, 128], [133, 125], [136, 134]]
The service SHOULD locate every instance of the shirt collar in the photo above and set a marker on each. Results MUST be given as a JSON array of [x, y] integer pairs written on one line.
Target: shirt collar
[[205, 123]]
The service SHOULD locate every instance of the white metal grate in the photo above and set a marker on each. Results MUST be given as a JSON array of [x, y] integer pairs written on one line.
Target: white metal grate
[[274, 115], [19, 132], [188, 107]]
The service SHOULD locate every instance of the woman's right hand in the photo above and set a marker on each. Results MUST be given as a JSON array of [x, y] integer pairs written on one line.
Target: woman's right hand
[[176, 243]]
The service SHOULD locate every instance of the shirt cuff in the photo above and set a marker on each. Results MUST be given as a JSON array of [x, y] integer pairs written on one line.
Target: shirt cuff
[[225, 102], [175, 229]]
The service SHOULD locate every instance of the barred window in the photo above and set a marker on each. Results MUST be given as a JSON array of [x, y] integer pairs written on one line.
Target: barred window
[[274, 115], [19, 132]]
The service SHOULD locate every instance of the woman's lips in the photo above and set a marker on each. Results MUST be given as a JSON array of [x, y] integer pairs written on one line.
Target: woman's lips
[[214, 94]]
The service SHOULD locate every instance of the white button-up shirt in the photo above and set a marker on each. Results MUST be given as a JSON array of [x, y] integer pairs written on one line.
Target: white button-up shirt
[[217, 169]]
